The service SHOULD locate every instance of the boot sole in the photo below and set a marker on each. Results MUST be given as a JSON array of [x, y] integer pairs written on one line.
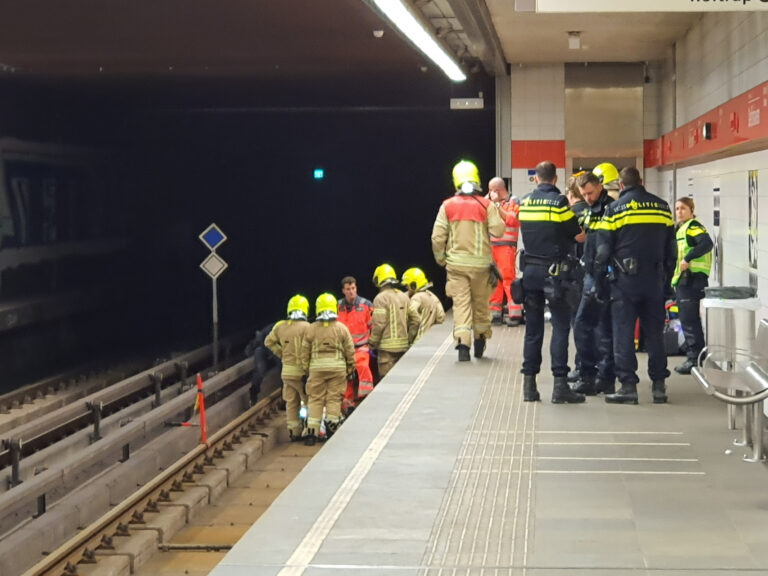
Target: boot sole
[[621, 401], [568, 401], [659, 400], [537, 399]]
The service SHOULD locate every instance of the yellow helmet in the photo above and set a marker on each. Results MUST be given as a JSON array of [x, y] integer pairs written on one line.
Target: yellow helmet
[[298, 304], [466, 177], [606, 172], [414, 279], [326, 303], [384, 274]]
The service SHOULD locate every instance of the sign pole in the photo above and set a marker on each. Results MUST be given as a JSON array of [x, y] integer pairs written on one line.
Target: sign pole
[[215, 327], [213, 237]]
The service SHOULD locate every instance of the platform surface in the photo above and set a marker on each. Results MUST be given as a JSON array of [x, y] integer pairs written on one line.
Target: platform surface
[[444, 470]]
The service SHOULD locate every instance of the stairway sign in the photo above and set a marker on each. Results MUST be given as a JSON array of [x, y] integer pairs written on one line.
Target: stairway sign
[[214, 265]]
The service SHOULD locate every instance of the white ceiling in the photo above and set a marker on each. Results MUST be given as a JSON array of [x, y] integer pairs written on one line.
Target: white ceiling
[[527, 37]]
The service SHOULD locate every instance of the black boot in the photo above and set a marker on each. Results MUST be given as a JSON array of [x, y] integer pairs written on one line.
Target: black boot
[[659, 391], [330, 429], [605, 386], [685, 367], [627, 394], [586, 385], [295, 436], [310, 439], [479, 347], [463, 352], [530, 393], [562, 393]]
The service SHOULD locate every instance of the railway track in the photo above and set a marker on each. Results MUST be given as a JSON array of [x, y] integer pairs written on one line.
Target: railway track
[[144, 524]]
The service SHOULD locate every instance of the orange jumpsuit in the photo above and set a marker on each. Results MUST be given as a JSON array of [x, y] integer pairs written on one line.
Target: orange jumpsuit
[[357, 317], [505, 254]]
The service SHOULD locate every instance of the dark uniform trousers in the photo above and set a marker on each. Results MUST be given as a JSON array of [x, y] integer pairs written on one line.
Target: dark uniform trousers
[[689, 297], [634, 297], [593, 334], [533, 284]]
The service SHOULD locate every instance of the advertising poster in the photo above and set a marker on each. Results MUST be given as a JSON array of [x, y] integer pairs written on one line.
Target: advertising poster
[[752, 254], [717, 256]]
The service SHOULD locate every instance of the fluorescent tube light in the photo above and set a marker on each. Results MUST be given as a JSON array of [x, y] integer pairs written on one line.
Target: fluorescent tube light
[[401, 17]]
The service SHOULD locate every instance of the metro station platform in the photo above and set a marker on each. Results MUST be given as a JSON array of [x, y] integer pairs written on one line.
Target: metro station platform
[[444, 470]]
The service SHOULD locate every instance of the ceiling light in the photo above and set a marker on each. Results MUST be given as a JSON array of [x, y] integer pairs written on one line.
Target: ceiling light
[[574, 40], [401, 17]]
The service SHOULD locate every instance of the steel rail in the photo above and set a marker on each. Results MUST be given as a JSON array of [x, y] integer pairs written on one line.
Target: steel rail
[[82, 543], [32, 492]]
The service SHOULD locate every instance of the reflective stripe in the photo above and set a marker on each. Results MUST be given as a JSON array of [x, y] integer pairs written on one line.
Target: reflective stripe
[[702, 264], [632, 217], [545, 213]]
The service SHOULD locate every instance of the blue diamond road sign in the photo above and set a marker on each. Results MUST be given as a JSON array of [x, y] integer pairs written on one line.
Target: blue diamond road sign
[[213, 237]]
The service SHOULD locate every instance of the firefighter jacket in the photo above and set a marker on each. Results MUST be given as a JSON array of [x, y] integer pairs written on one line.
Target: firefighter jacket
[[395, 321], [511, 207], [429, 309], [638, 232], [284, 341], [589, 220], [548, 224], [460, 235], [357, 317], [328, 346], [695, 247]]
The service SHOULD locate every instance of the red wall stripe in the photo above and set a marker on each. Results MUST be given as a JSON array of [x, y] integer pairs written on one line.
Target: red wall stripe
[[528, 153], [740, 124]]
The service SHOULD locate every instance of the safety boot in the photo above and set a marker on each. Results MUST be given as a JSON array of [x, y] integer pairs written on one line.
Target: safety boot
[[495, 317], [627, 394], [585, 385], [295, 435], [659, 391], [605, 386], [562, 393], [574, 375], [530, 393], [330, 429], [311, 438], [463, 352], [479, 347], [685, 367]]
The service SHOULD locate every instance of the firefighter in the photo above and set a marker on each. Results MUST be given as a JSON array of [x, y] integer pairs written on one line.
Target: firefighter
[[285, 341], [549, 228], [694, 261], [505, 253], [609, 178], [328, 356], [592, 331], [355, 312], [461, 243], [636, 237], [395, 320], [429, 307]]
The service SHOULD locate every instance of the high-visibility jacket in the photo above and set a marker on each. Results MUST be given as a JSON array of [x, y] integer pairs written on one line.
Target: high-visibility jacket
[[511, 206], [430, 310], [285, 342], [328, 346], [460, 235], [395, 320], [357, 317], [694, 246]]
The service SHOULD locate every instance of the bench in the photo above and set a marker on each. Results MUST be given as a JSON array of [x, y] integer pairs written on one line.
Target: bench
[[740, 379]]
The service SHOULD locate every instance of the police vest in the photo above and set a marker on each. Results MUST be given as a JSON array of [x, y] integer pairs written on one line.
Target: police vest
[[701, 264]]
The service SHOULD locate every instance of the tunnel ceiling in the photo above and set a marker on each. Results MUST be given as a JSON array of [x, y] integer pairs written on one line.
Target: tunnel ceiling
[[292, 39]]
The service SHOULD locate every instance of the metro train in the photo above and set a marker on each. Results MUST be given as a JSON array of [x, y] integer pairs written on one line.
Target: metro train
[[60, 227]]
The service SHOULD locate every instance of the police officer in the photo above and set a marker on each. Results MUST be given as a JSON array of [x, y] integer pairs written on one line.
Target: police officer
[[592, 329], [461, 242], [549, 228], [694, 261], [636, 237]]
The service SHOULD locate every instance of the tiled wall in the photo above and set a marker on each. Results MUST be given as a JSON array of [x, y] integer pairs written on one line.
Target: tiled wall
[[721, 57], [538, 113]]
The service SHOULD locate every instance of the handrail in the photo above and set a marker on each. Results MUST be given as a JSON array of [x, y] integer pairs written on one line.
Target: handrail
[[754, 371]]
